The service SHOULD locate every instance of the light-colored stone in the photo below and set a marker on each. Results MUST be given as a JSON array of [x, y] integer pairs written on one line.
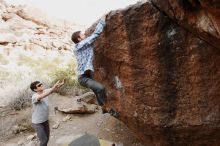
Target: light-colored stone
[[33, 14], [55, 126], [56, 44], [7, 16], [12, 9], [21, 142], [7, 38], [15, 129], [74, 107], [68, 117], [31, 137], [88, 97]]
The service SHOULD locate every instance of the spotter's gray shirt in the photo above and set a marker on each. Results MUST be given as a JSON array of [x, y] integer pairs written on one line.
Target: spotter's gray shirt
[[40, 109]]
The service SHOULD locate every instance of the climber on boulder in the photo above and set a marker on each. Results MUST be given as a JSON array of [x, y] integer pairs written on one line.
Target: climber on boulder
[[83, 50]]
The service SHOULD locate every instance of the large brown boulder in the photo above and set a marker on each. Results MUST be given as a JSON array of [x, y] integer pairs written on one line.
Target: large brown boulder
[[163, 79], [202, 17]]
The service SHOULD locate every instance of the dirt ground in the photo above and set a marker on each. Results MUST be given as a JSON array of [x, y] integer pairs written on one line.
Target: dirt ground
[[101, 125]]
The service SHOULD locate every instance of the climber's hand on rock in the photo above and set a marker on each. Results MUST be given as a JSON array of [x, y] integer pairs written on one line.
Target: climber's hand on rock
[[103, 17]]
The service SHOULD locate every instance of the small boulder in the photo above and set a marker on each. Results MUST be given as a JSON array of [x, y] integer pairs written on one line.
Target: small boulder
[[55, 126], [68, 117], [31, 137]]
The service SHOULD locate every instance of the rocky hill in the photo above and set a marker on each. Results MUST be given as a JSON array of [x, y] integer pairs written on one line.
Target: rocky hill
[[30, 28], [160, 63]]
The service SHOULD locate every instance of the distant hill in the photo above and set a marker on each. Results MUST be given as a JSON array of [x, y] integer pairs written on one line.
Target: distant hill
[[30, 28]]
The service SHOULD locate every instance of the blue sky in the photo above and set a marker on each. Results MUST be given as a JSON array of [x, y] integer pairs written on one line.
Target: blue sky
[[80, 11]]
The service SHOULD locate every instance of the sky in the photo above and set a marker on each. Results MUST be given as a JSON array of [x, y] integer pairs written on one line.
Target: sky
[[83, 12]]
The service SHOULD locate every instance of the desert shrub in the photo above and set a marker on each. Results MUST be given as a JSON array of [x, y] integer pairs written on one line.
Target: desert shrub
[[13, 85], [21, 100], [71, 85]]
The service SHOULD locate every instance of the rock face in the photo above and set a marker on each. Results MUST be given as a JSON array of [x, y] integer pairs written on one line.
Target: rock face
[[162, 73], [202, 17], [83, 104]]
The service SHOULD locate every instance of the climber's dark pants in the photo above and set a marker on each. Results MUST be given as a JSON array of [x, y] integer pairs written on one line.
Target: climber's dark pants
[[87, 80]]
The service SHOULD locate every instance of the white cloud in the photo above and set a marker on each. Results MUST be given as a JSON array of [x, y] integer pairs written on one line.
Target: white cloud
[[80, 11]]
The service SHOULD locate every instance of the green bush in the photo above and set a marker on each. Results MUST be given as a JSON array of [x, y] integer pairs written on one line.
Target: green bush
[[71, 86]]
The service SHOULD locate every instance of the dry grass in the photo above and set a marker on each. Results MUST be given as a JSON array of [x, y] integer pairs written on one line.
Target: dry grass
[[71, 86], [22, 100]]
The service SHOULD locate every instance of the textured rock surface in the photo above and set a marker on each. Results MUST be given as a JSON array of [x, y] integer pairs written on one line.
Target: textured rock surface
[[201, 17], [73, 107], [168, 74]]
